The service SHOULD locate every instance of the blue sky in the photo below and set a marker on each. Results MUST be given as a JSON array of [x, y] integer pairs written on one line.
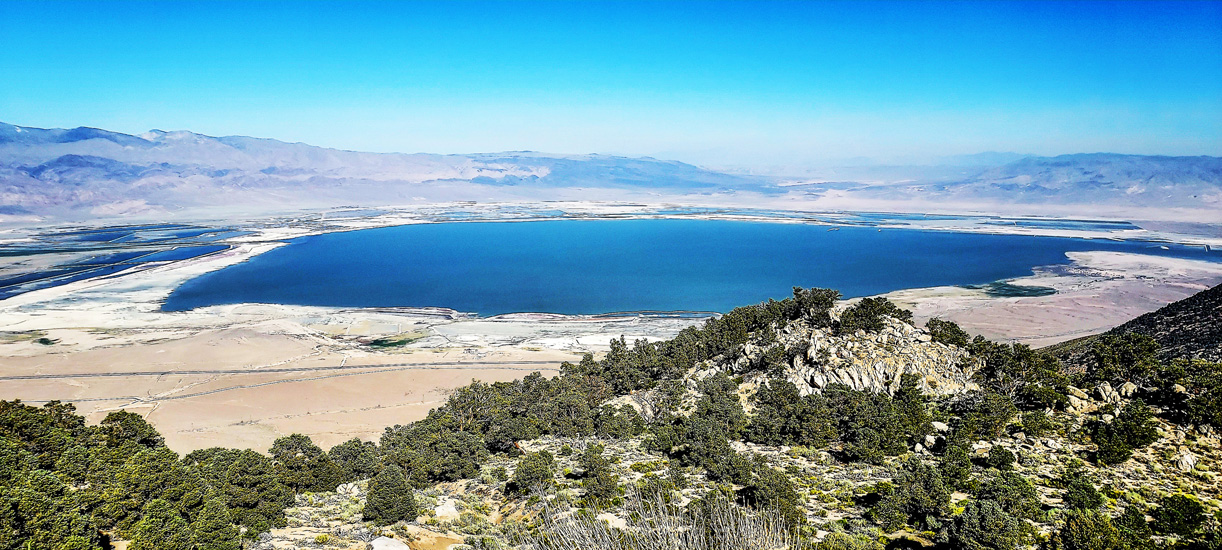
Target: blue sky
[[743, 83]]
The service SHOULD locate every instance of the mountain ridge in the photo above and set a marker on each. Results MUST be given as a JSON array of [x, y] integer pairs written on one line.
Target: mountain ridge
[[84, 172]]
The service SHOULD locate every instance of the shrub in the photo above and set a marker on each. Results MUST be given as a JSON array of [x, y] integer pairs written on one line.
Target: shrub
[[161, 528], [123, 428], [651, 488], [1014, 493], [302, 466], [255, 495], [868, 315], [712, 522], [1132, 429], [1080, 494], [955, 465], [431, 450], [947, 332], [213, 528], [841, 541], [1029, 378], [599, 481], [784, 417], [1130, 357], [534, 473], [1134, 530], [770, 490], [621, 422], [1202, 382], [675, 475], [390, 498], [1001, 458], [911, 409], [720, 404], [916, 495], [984, 525], [1087, 530], [982, 415], [1178, 515], [1037, 423], [868, 423], [356, 459]]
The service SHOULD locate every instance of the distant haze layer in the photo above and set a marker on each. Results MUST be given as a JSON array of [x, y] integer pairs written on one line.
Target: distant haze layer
[[88, 173]]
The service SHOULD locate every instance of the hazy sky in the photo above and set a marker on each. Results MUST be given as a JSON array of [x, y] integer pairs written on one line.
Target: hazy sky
[[750, 84]]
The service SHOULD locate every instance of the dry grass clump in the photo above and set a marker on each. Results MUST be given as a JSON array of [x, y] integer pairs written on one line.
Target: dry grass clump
[[655, 525]]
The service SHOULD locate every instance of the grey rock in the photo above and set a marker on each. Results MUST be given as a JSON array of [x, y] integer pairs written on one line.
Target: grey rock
[[386, 543], [1186, 461], [1106, 394], [875, 362]]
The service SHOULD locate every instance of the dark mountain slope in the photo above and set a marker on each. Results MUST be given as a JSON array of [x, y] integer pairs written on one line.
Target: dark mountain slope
[[1190, 328]]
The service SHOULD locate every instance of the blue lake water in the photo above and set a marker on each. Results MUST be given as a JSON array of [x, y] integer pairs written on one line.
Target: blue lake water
[[605, 266]]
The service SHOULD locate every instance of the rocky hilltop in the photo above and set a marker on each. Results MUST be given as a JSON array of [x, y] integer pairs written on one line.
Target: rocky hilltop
[[875, 361], [871, 361]]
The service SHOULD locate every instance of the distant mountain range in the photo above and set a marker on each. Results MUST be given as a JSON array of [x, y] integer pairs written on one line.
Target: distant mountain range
[[1099, 178], [87, 172]]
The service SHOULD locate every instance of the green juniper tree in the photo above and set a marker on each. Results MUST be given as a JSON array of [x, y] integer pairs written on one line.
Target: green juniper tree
[[916, 495], [598, 479], [1133, 428], [1014, 493], [390, 499], [984, 525], [947, 332], [534, 473], [302, 466], [1087, 530], [785, 417], [213, 528], [161, 528], [1178, 515], [356, 459]]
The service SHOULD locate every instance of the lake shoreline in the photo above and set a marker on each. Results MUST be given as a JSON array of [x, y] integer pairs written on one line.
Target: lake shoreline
[[274, 357]]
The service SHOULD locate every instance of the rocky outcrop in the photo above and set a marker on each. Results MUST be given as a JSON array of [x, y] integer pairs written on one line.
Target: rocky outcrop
[[874, 361]]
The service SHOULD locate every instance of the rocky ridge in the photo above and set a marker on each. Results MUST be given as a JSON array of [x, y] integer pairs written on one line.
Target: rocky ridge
[[866, 361]]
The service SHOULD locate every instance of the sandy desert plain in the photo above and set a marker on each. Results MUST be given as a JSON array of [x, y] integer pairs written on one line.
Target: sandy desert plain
[[242, 375]]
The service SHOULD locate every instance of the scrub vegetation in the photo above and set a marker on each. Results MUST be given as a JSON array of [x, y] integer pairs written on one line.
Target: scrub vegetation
[[712, 461]]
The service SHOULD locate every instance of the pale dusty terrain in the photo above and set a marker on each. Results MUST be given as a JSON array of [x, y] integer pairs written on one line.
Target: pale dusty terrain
[[1097, 291], [243, 375]]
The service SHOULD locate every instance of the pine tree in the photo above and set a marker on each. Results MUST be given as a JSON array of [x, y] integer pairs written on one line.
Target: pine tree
[[390, 499]]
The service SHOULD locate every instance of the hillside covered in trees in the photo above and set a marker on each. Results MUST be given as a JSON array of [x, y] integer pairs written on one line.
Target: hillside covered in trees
[[722, 437]]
